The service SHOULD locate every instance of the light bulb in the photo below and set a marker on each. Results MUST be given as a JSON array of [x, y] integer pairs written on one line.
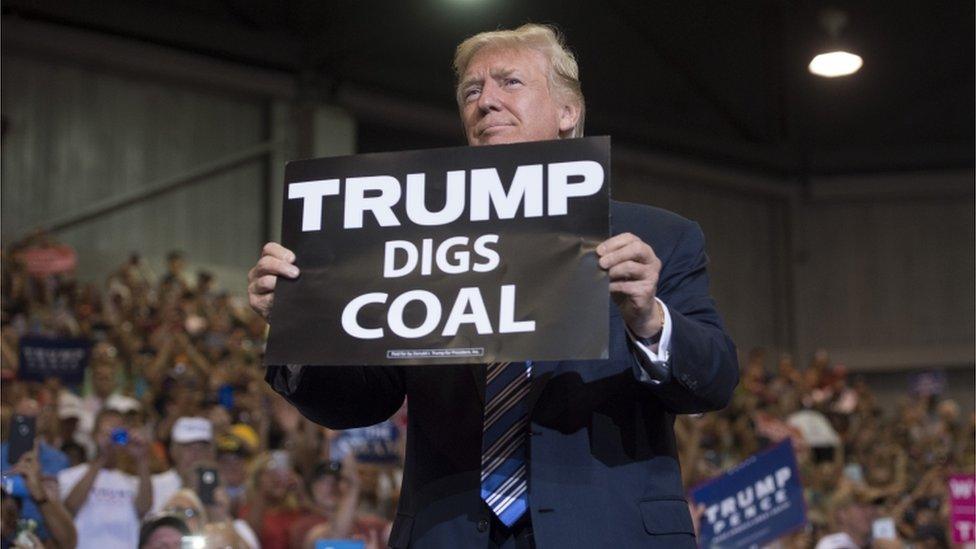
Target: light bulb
[[835, 63]]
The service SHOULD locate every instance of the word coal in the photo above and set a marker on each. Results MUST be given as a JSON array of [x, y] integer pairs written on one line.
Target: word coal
[[469, 308]]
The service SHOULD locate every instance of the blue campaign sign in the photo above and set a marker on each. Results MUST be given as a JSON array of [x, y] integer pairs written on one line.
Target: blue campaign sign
[[339, 544], [757, 501], [42, 358], [374, 444]]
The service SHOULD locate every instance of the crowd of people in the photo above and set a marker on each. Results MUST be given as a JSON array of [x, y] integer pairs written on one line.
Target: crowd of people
[[172, 433], [858, 461]]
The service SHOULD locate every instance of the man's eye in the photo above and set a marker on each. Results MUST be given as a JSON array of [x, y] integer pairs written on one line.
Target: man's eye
[[512, 82], [471, 93]]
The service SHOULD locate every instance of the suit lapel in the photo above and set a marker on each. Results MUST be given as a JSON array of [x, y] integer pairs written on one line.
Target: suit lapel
[[478, 375], [541, 374]]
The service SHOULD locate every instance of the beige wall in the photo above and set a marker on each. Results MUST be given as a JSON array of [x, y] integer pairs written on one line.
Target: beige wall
[[886, 272], [878, 269]]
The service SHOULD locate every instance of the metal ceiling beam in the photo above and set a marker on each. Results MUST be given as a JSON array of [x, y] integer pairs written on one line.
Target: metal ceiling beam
[[632, 18], [165, 25], [154, 189], [92, 49]]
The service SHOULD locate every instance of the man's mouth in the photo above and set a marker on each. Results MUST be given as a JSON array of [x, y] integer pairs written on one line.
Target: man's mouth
[[493, 128]]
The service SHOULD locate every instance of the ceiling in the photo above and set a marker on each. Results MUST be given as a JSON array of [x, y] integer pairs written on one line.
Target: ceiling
[[721, 81]]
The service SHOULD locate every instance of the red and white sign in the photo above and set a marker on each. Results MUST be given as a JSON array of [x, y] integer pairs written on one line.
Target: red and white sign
[[49, 260], [962, 495]]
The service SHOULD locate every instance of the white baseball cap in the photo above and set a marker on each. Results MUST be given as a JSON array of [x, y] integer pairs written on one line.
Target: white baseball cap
[[192, 429], [69, 406], [122, 404]]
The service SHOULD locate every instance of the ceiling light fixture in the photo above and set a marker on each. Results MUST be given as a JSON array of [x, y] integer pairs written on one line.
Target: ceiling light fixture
[[836, 61]]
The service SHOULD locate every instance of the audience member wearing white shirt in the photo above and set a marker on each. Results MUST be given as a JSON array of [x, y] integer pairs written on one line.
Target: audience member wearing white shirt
[[107, 503], [191, 446]]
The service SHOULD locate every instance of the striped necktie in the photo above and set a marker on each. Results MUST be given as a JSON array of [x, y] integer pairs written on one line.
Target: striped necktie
[[504, 450]]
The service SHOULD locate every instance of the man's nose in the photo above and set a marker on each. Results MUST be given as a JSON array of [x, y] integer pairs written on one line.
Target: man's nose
[[488, 100]]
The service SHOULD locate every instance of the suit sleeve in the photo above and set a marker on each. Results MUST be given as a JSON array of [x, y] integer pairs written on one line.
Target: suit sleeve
[[703, 366], [340, 397]]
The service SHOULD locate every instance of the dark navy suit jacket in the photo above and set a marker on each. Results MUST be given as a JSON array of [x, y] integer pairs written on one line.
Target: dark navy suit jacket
[[603, 460]]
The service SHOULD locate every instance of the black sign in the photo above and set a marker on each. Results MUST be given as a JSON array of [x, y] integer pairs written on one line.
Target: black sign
[[446, 256], [41, 358]]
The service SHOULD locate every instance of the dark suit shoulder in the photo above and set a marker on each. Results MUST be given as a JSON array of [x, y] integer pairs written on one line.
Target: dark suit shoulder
[[650, 223], [628, 214]]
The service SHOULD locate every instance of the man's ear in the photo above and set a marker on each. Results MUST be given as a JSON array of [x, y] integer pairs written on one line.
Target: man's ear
[[569, 114]]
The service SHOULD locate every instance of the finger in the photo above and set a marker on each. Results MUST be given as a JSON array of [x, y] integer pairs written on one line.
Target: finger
[[633, 251], [274, 266], [633, 289], [278, 251], [615, 242], [262, 304], [25, 459], [630, 270], [263, 285]]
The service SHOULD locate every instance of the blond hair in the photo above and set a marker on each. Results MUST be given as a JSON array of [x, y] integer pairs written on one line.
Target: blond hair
[[545, 39]]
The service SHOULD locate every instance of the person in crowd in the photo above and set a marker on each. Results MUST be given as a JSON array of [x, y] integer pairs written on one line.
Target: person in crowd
[[853, 519], [234, 451], [212, 522], [162, 531], [334, 489], [33, 479], [70, 411], [174, 277], [669, 354], [191, 444], [16, 532], [106, 502], [54, 525], [275, 500], [106, 387]]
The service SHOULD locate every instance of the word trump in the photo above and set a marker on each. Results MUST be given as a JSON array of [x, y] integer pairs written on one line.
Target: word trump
[[480, 190], [750, 501], [54, 359]]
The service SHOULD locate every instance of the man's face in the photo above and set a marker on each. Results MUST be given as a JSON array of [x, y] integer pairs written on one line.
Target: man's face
[[164, 537], [505, 98], [108, 423], [325, 492], [103, 434], [103, 378], [187, 455], [233, 469]]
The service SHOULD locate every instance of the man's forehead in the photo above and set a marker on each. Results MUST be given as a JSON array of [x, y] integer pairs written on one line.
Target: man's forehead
[[504, 60], [195, 444]]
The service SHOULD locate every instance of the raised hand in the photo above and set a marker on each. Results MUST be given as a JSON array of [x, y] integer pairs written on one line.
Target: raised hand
[[275, 261]]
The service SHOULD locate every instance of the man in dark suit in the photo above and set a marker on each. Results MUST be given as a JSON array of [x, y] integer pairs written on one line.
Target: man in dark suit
[[594, 462]]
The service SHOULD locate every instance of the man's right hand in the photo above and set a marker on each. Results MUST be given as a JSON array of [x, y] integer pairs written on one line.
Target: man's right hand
[[275, 261]]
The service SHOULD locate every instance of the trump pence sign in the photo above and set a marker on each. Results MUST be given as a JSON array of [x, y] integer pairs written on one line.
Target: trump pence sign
[[446, 256]]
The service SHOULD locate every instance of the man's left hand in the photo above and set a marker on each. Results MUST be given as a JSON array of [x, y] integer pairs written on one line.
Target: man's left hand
[[634, 270], [28, 467]]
